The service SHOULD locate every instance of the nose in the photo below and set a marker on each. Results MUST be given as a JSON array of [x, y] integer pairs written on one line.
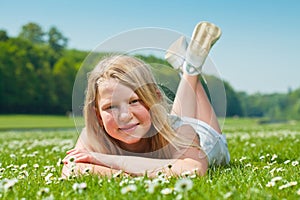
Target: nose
[[124, 114]]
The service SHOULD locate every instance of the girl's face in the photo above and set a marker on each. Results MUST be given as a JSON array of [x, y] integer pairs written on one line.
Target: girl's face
[[122, 113]]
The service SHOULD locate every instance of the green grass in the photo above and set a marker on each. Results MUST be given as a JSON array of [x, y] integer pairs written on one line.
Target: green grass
[[8, 122], [258, 154]]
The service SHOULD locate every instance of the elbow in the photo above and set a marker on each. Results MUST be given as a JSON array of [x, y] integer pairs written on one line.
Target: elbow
[[201, 170], [197, 167]]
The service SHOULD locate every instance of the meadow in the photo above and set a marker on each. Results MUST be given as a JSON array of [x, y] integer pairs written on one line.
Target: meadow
[[264, 165]]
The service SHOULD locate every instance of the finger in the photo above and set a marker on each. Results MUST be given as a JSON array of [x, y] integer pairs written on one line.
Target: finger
[[70, 158], [71, 150], [74, 152], [83, 158]]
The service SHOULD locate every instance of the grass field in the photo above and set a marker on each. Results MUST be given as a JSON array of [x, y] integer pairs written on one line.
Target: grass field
[[9, 122], [264, 165]]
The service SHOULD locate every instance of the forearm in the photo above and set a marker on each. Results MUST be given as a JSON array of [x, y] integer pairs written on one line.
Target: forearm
[[82, 168], [140, 165], [191, 159]]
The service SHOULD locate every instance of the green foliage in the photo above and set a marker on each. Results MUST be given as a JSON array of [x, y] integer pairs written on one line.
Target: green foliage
[[3, 35], [36, 77], [33, 33], [273, 106], [234, 107], [292, 109], [56, 40], [64, 73]]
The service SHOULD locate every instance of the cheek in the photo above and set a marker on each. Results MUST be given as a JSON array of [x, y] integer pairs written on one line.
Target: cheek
[[144, 115], [108, 121]]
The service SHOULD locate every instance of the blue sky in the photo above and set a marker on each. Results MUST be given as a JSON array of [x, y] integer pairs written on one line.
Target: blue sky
[[258, 50]]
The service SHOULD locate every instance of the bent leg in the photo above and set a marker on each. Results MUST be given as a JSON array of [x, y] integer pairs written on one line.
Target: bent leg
[[185, 100], [191, 101], [205, 111]]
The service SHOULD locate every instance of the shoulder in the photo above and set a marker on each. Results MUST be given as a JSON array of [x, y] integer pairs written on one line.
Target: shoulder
[[82, 140]]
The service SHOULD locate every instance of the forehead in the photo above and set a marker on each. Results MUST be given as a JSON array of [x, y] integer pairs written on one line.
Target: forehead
[[113, 89]]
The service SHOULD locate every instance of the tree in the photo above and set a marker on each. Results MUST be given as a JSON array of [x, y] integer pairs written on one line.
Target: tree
[[32, 32], [234, 107], [18, 79], [64, 75], [292, 110], [56, 40], [3, 35]]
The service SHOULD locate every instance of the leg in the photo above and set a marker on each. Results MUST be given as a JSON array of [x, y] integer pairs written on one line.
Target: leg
[[192, 101], [205, 111], [185, 103]]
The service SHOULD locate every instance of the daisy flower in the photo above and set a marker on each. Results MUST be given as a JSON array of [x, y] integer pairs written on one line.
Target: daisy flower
[[183, 185], [166, 191], [79, 187], [294, 163], [290, 184], [128, 188]]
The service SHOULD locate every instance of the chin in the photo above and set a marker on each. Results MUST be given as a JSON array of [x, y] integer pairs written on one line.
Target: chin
[[133, 141]]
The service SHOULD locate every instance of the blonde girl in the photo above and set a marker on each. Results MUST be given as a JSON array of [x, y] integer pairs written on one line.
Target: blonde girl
[[129, 126]]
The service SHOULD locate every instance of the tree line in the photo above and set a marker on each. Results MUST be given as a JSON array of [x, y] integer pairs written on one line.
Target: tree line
[[37, 73]]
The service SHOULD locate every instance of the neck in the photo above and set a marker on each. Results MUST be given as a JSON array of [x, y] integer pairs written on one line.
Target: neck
[[141, 146]]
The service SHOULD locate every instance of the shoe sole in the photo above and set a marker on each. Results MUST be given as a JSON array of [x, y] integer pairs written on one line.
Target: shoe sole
[[204, 37]]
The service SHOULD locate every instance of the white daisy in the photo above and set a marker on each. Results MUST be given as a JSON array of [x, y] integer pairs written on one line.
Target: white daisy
[[166, 191], [287, 161], [43, 191], [183, 185], [277, 178], [79, 187], [8, 183], [270, 184], [274, 157], [152, 186], [128, 188], [294, 163], [290, 184]]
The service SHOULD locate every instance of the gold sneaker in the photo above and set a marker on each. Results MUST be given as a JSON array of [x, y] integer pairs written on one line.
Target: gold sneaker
[[204, 37]]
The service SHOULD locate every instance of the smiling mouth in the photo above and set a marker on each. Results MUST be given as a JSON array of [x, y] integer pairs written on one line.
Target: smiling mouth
[[129, 128]]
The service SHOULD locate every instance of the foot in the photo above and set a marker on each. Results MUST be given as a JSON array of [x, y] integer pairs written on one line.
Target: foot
[[175, 55], [204, 37]]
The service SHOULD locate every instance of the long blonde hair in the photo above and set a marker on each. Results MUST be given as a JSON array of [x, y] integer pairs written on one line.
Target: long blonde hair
[[136, 75]]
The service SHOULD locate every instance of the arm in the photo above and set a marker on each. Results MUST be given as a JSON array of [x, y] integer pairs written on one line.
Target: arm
[[190, 160], [138, 166], [81, 168]]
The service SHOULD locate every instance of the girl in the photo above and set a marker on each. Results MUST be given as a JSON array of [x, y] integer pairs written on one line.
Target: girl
[[128, 126]]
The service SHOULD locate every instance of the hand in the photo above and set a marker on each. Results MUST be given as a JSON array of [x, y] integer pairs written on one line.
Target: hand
[[83, 156]]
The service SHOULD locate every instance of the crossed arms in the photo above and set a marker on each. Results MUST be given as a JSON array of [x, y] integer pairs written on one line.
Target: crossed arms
[[191, 159]]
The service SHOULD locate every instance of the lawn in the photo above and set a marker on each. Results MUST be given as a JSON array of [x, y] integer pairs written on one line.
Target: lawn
[[8, 122], [264, 165]]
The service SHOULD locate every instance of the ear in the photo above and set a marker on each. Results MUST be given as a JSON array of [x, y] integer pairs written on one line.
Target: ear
[[159, 94]]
